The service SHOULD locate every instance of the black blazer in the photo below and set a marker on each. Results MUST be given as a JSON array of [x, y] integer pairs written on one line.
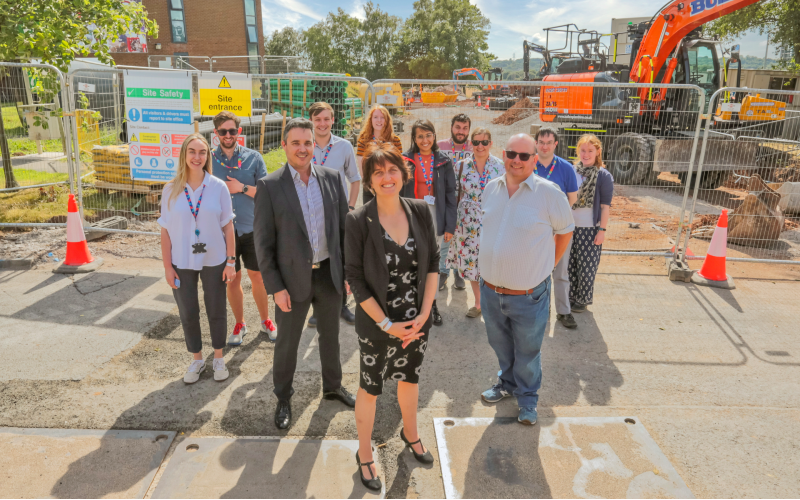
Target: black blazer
[[281, 237], [365, 265]]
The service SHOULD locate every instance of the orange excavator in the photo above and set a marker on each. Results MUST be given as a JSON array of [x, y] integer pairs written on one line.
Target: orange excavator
[[648, 128]]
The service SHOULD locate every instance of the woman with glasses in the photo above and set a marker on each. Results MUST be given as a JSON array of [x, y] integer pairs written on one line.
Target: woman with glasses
[[472, 176]]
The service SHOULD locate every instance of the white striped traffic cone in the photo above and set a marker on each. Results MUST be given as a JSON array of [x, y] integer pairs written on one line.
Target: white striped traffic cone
[[713, 271], [79, 259]]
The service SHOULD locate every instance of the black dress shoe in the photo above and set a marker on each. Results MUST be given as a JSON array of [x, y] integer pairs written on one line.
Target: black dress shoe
[[437, 318], [568, 320], [283, 414], [342, 395], [348, 316], [375, 482], [425, 458], [312, 321]]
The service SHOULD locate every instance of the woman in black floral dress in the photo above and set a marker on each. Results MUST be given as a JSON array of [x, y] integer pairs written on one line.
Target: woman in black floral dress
[[391, 265]]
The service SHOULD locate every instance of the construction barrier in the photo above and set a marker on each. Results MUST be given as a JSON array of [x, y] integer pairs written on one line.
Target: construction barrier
[[756, 177]]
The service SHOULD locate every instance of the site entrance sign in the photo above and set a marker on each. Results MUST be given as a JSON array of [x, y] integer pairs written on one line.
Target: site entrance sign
[[225, 92]]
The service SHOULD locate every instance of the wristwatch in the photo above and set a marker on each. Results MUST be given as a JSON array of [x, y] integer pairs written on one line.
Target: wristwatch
[[231, 258], [245, 188], [601, 228], [351, 207]]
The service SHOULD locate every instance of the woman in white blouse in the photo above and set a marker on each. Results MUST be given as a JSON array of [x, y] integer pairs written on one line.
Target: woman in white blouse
[[197, 241]]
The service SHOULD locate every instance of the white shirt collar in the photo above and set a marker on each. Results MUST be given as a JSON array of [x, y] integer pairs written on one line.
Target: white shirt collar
[[296, 174], [333, 140], [205, 181]]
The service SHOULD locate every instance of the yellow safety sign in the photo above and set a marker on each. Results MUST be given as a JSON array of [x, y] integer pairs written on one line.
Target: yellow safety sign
[[133, 138], [230, 92], [149, 138]]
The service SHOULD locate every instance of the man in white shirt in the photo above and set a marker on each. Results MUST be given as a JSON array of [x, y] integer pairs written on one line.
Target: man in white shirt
[[336, 153], [527, 226]]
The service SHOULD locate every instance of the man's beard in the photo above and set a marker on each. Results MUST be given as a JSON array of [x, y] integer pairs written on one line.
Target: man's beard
[[455, 139]]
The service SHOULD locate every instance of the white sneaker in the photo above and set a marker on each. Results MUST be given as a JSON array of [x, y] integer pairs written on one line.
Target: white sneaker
[[270, 329], [194, 371], [220, 372], [239, 331]]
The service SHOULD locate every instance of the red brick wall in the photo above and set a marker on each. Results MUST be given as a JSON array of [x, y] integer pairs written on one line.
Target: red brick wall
[[213, 28]]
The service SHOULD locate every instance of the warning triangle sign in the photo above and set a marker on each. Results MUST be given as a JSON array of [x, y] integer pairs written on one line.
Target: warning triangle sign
[[134, 138], [223, 84]]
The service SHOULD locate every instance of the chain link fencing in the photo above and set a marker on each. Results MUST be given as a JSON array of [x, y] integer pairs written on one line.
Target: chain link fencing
[[198, 63], [647, 153], [33, 134], [753, 171]]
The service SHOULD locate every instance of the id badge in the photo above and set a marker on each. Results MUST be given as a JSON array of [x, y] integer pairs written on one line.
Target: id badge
[[429, 199]]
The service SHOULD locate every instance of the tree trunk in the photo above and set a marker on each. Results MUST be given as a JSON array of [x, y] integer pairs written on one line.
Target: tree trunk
[[8, 171]]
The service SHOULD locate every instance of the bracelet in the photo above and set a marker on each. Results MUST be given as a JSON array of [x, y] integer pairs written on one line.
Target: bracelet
[[382, 324], [230, 264], [601, 228], [387, 326]]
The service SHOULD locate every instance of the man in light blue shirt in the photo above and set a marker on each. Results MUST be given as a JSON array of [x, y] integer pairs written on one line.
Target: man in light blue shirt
[[241, 168]]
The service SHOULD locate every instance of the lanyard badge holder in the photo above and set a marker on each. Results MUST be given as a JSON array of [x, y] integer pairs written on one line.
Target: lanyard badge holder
[[429, 199], [197, 247]]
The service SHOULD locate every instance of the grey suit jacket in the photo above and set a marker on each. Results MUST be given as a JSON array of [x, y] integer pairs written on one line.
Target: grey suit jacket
[[281, 237]]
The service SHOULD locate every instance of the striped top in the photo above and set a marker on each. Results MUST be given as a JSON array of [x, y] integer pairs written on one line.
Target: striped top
[[313, 212], [517, 249]]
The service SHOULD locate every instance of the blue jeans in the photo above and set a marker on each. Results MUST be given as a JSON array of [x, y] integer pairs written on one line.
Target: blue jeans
[[515, 325]]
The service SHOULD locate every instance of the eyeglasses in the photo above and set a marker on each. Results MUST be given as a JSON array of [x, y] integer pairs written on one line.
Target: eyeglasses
[[522, 156], [484, 142], [222, 132]]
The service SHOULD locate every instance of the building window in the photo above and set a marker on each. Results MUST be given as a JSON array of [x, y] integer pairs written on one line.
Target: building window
[[177, 21], [252, 34]]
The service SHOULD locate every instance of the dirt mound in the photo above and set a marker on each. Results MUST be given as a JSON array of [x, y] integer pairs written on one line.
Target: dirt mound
[[445, 89], [519, 111]]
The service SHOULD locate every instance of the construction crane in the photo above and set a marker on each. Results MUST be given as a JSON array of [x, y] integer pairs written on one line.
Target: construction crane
[[668, 49]]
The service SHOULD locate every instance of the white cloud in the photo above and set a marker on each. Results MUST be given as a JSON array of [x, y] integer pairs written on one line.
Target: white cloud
[[276, 16], [358, 10], [300, 8]]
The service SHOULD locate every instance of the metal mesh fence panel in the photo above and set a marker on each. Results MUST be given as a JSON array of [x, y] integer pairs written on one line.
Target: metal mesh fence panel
[[646, 152], [34, 137], [282, 64], [199, 63], [237, 64], [749, 164]]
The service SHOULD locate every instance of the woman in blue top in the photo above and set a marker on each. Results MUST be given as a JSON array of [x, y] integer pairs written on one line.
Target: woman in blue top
[[591, 211]]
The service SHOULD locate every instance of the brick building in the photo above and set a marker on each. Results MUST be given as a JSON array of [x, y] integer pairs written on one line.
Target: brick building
[[202, 28]]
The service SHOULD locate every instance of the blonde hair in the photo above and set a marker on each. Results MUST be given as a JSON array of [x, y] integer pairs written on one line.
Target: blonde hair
[[594, 141], [181, 174], [481, 131], [388, 130]]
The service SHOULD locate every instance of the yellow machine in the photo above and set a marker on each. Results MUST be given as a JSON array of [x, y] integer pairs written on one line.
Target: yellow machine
[[389, 95], [753, 108]]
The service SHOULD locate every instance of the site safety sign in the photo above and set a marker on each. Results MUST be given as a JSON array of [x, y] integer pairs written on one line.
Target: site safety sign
[[158, 108], [225, 92]]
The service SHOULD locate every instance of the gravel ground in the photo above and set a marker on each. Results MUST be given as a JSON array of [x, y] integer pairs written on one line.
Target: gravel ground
[[39, 242]]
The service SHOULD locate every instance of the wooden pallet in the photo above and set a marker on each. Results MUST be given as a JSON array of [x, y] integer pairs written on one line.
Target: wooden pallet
[[153, 191]]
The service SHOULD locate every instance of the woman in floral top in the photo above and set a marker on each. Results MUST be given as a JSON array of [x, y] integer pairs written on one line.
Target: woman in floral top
[[472, 176]]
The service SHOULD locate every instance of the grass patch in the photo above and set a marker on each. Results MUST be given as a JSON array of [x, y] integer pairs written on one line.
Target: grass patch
[[275, 159], [11, 121], [33, 177], [30, 205]]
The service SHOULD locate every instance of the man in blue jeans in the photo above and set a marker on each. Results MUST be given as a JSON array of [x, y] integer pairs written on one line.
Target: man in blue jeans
[[527, 226]]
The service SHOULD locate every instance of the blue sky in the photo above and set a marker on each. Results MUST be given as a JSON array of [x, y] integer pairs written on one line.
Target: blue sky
[[512, 21]]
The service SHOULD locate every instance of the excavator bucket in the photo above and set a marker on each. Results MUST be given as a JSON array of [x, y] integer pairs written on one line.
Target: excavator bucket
[[673, 155]]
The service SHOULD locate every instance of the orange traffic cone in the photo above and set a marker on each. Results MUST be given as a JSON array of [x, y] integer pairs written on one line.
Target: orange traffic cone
[[713, 271], [487, 104], [79, 259]]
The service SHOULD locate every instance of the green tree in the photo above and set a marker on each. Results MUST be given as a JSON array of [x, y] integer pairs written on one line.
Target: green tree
[[58, 31], [440, 36], [780, 19], [380, 34], [285, 42]]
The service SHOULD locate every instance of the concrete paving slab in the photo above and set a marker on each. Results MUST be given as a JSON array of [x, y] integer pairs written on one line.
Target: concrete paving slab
[[76, 463], [563, 457], [263, 468]]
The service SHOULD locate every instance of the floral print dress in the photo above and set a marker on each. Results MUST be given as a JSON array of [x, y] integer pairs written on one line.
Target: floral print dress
[[463, 252]]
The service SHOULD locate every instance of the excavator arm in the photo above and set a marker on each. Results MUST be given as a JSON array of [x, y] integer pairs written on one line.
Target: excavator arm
[[670, 26]]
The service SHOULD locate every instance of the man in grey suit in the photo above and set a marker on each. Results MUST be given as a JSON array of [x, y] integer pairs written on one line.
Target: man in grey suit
[[299, 237]]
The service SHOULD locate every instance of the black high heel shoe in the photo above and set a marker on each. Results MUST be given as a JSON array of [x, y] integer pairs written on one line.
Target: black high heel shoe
[[374, 483], [425, 458]]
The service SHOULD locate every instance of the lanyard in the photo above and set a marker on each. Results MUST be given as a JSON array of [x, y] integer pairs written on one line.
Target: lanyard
[[327, 152], [482, 178], [552, 166], [458, 155], [193, 210], [223, 159], [428, 179]]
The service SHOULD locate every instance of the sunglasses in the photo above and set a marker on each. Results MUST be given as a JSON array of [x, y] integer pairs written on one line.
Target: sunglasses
[[484, 142], [522, 156], [222, 132]]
